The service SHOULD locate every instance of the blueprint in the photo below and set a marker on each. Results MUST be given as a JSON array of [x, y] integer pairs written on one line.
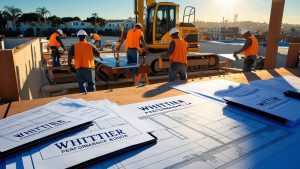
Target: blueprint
[[197, 133], [109, 134], [43, 121]]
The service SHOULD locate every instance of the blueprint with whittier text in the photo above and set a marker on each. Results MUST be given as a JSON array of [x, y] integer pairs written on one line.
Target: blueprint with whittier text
[[196, 133]]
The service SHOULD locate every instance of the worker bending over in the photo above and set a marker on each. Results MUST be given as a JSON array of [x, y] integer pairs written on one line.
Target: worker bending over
[[250, 50], [97, 39], [132, 47], [54, 43], [83, 54], [177, 54]]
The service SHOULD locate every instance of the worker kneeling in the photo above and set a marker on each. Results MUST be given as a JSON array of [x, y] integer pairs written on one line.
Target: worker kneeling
[[178, 56], [83, 54]]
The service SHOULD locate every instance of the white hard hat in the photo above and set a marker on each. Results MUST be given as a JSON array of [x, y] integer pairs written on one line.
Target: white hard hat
[[91, 34], [59, 31], [244, 30], [174, 30], [81, 33], [138, 24]]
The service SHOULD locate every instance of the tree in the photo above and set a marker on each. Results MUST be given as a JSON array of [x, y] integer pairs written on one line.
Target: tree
[[69, 19], [95, 20], [31, 17], [12, 13], [3, 21], [43, 11], [55, 20], [95, 15]]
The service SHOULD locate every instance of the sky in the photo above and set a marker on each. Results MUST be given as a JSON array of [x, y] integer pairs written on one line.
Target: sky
[[206, 10]]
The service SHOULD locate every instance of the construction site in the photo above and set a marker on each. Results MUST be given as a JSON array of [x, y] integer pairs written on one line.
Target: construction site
[[30, 80]]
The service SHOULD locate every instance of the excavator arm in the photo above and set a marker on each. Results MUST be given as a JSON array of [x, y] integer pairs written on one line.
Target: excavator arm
[[139, 10]]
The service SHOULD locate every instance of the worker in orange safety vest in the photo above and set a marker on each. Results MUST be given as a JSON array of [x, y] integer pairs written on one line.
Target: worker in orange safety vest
[[250, 50], [177, 53], [83, 54], [132, 48], [54, 43], [96, 38]]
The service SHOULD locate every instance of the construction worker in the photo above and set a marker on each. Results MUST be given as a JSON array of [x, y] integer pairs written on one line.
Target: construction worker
[[54, 43], [177, 54], [132, 48], [96, 38], [83, 54], [250, 50]]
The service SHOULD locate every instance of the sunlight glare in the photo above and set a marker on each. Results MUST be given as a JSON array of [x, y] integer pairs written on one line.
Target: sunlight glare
[[226, 3]]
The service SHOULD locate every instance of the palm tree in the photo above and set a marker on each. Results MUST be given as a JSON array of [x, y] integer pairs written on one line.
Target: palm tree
[[12, 13], [95, 15], [95, 19], [43, 11]]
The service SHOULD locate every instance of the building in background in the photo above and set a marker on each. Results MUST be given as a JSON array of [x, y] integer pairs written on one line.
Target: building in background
[[117, 24], [224, 33]]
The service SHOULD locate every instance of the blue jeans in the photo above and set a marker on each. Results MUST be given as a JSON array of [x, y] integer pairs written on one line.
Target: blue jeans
[[132, 57], [55, 57], [86, 76], [177, 68]]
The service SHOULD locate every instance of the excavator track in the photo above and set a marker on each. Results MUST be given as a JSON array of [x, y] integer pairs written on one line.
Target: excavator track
[[196, 62]]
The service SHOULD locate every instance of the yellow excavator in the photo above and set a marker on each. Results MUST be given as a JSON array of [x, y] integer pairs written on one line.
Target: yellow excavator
[[159, 19]]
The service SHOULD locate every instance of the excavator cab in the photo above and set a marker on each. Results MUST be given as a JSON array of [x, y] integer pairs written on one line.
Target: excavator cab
[[161, 18]]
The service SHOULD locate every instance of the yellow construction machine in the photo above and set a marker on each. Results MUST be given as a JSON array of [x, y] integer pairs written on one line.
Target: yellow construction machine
[[159, 19]]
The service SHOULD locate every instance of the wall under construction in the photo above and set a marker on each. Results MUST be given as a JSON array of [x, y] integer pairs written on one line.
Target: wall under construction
[[21, 72]]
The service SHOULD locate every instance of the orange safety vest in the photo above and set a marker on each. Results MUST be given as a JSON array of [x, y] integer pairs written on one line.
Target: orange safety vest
[[96, 36], [133, 39], [253, 49], [83, 55], [53, 41], [180, 51]]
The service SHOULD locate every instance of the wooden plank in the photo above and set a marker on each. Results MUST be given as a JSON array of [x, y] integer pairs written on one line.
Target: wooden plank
[[292, 60], [274, 33], [3, 109], [150, 92]]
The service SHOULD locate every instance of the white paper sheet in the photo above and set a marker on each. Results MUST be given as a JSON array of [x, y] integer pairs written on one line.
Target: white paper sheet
[[197, 133], [43, 121], [264, 95], [272, 102], [109, 134]]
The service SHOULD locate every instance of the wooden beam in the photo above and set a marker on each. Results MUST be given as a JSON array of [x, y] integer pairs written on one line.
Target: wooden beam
[[274, 33], [292, 60]]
